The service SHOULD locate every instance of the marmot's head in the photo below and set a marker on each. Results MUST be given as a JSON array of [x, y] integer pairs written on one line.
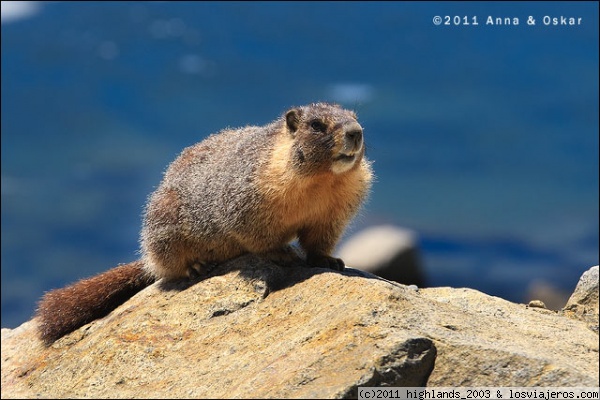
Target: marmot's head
[[326, 138]]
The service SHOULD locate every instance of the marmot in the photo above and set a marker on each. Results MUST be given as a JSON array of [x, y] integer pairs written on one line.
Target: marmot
[[248, 190]]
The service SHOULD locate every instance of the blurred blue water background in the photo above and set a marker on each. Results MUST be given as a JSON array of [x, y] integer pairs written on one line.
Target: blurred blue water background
[[485, 138]]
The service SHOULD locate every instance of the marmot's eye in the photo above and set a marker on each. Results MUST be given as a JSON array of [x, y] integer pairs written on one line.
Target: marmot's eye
[[318, 126]]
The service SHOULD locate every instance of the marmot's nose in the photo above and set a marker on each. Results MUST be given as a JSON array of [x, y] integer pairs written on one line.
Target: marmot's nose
[[354, 133]]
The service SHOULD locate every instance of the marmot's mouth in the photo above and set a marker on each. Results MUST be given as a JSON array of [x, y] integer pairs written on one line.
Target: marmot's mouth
[[345, 157]]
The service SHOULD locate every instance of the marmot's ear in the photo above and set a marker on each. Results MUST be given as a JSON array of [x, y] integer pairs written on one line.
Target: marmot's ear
[[292, 119]]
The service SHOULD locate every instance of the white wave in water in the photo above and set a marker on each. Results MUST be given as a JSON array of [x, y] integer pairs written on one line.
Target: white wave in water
[[15, 10]]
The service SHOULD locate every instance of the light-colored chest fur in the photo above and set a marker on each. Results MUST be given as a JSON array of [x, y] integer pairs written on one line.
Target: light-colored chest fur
[[297, 201]]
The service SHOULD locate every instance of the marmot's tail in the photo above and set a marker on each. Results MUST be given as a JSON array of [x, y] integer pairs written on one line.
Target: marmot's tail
[[63, 310]]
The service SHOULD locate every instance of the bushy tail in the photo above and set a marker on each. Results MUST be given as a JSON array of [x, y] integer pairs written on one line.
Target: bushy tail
[[61, 311]]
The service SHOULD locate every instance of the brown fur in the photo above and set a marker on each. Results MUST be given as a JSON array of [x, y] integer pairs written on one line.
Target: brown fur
[[88, 300], [250, 190]]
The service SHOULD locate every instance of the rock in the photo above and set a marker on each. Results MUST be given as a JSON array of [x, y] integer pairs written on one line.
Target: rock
[[487, 341], [552, 297], [264, 331], [583, 303], [387, 251], [536, 304], [253, 329]]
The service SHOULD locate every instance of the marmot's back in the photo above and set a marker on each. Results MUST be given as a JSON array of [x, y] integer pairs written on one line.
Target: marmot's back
[[216, 178]]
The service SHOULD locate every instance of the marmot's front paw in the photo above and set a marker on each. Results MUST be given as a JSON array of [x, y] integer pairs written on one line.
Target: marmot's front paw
[[198, 269], [286, 256], [326, 262]]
